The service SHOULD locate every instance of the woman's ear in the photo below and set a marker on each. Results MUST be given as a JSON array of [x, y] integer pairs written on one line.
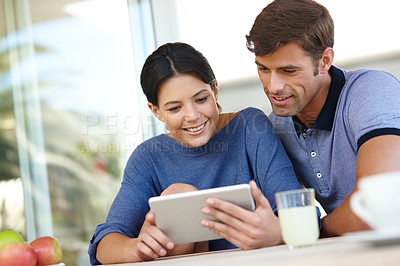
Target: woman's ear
[[216, 91], [156, 111]]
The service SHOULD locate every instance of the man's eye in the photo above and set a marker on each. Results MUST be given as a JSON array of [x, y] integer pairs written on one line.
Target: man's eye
[[290, 71], [260, 68]]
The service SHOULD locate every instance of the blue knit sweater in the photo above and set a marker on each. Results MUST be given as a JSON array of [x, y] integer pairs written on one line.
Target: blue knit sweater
[[246, 148]]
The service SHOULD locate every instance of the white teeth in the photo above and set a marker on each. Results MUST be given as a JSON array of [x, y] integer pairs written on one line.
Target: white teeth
[[281, 99], [194, 129]]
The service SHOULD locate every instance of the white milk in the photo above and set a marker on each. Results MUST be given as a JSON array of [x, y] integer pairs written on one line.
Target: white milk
[[299, 226]]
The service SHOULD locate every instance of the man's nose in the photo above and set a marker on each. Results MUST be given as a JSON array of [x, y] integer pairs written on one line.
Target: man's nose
[[275, 83]]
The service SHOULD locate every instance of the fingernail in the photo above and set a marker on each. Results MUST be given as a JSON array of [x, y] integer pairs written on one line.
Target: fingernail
[[206, 210], [163, 252], [210, 201], [204, 223], [170, 245]]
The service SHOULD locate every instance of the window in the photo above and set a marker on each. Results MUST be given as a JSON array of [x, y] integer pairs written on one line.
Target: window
[[69, 116]]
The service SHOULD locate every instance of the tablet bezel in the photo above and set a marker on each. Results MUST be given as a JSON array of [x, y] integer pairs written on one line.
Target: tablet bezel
[[179, 215]]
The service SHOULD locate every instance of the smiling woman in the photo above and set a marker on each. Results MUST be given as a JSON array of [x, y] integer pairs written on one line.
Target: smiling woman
[[189, 112], [204, 149], [70, 109]]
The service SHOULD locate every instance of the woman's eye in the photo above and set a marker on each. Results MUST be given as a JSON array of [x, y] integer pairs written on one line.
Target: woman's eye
[[202, 99], [174, 109]]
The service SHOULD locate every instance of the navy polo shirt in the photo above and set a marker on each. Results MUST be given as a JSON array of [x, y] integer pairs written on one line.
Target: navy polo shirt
[[357, 108]]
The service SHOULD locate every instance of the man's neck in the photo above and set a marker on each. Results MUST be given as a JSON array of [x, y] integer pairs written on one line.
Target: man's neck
[[310, 113]]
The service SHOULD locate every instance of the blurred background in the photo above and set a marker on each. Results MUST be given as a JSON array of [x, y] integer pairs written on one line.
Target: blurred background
[[72, 110]]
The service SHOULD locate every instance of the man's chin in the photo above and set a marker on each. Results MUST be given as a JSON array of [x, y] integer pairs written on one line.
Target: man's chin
[[283, 112]]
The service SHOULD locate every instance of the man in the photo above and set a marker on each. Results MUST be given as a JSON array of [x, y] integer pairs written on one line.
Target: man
[[337, 126]]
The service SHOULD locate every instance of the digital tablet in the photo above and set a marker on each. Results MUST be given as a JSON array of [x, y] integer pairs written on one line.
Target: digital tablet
[[179, 215]]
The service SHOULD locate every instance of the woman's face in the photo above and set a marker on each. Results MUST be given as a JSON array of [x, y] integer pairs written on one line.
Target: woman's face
[[188, 106]]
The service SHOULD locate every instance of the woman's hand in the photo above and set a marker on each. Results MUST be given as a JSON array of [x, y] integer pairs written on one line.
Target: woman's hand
[[151, 242], [243, 228]]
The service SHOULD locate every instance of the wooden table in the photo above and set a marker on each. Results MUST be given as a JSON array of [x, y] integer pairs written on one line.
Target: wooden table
[[330, 251]]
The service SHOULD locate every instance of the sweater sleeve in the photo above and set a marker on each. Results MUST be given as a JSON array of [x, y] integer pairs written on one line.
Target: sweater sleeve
[[272, 169], [128, 210]]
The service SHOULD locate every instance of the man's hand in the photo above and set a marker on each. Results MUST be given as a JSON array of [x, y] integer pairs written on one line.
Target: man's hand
[[243, 228]]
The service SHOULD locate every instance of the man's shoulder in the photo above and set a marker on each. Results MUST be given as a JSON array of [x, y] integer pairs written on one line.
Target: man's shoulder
[[368, 102], [366, 85], [367, 89], [368, 76]]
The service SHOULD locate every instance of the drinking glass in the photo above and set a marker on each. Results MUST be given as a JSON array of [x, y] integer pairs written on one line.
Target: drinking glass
[[298, 217]]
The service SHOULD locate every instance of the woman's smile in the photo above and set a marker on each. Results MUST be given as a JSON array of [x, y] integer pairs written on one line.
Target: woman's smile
[[196, 130], [188, 106]]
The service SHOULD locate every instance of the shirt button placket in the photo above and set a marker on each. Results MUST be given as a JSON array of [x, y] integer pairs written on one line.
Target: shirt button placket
[[314, 159]]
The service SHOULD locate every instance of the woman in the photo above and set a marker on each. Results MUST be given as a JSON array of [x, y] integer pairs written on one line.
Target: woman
[[203, 149]]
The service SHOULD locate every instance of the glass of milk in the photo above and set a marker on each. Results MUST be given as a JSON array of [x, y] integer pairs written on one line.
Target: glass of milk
[[298, 217]]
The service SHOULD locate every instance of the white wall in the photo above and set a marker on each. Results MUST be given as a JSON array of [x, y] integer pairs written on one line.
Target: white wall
[[365, 36]]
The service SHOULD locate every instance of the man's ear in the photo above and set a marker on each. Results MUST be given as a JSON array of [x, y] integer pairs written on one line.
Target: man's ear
[[326, 60], [156, 111]]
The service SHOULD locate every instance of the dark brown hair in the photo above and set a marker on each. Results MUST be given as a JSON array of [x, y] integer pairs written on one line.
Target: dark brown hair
[[304, 22], [169, 60]]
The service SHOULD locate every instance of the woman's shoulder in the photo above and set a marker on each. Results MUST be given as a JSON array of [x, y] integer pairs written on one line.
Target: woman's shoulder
[[226, 120], [241, 115], [248, 120], [252, 111], [252, 116], [150, 146]]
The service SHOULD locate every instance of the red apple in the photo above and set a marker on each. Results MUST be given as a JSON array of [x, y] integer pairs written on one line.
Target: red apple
[[17, 254], [48, 250]]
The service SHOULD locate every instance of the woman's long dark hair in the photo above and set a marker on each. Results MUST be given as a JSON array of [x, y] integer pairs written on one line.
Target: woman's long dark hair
[[169, 60]]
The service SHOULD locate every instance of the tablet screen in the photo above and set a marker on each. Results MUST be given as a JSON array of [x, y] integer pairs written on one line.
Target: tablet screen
[[179, 215]]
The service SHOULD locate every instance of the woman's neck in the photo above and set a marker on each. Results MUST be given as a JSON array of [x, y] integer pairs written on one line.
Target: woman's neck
[[224, 119]]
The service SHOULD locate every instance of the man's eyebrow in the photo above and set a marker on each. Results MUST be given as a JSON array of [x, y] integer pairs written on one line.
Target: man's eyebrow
[[280, 68], [289, 67], [259, 64]]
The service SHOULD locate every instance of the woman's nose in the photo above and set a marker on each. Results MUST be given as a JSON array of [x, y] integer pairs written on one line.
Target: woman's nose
[[191, 113]]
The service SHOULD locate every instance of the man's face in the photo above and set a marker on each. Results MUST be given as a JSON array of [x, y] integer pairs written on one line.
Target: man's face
[[292, 82]]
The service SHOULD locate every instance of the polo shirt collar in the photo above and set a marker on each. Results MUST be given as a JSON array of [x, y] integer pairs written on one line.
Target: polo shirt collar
[[325, 118]]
